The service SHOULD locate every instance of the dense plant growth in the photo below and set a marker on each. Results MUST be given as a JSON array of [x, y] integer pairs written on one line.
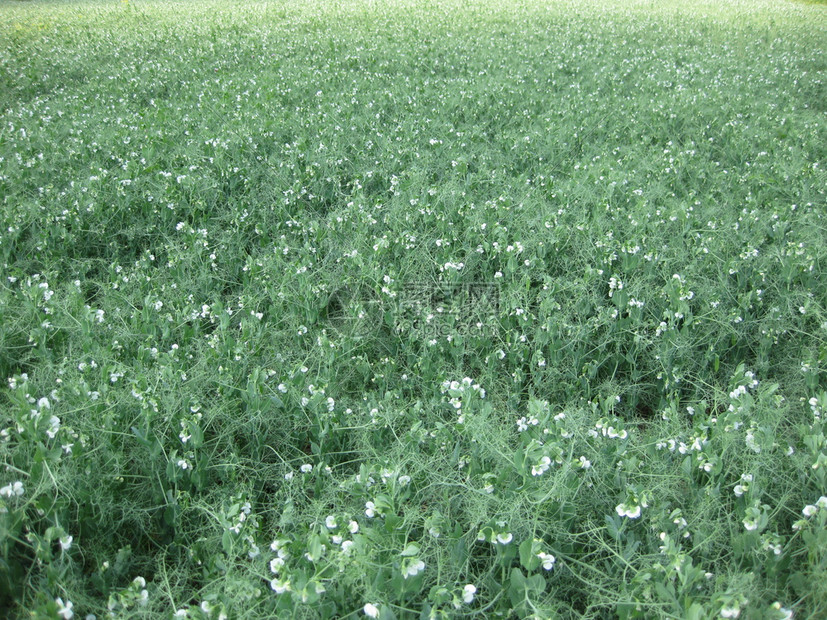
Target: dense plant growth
[[413, 309]]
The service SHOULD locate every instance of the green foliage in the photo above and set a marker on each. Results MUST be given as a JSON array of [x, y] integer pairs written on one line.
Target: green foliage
[[412, 309]]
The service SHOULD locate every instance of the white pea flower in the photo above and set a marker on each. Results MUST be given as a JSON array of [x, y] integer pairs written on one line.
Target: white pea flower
[[468, 593], [64, 610], [276, 564], [547, 559], [413, 568], [371, 610], [505, 538], [784, 613], [540, 468], [633, 512], [12, 490], [54, 426]]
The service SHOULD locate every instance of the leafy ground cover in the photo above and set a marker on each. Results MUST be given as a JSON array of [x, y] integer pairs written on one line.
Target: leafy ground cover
[[413, 309]]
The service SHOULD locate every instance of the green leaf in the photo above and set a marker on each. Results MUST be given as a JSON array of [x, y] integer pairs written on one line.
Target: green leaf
[[516, 587], [613, 526], [695, 612], [535, 584], [459, 552], [53, 532], [528, 555], [666, 592], [170, 513], [411, 549], [385, 613], [314, 547]]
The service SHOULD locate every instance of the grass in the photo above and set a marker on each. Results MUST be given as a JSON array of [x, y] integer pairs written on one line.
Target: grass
[[413, 309]]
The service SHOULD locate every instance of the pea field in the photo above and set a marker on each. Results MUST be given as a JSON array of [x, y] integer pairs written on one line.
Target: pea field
[[413, 309]]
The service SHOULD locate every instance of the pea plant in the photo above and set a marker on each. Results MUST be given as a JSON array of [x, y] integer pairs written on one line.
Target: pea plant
[[413, 309]]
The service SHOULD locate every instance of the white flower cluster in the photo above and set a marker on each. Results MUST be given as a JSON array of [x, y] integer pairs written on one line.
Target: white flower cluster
[[14, 489], [742, 389], [604, 428], [615, 284], [498, 536], [812, 509], [743, 486], [693, 444], [541, 467], [626, 510], [523, 423], [547, 560], [459, 392], [816, 408], [279, 584], [454, 266], [411, 567], [636, 500]]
